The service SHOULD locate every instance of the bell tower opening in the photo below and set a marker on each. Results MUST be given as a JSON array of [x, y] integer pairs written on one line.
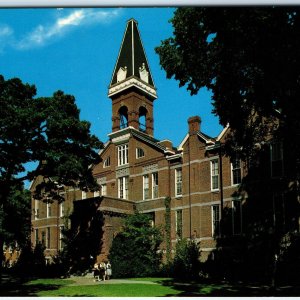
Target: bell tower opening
[[123, 115], [142, 119]]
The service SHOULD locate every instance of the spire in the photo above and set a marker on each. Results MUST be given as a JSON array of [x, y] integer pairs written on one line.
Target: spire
[[132, 68]]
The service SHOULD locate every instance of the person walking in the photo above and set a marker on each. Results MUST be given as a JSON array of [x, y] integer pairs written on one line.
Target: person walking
[[108, 270]]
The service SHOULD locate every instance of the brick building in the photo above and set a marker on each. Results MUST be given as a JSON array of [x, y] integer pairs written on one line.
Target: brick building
[[138, 172]]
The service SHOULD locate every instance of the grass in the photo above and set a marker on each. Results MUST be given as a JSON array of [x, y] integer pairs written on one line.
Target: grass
[[161, 287], [112, 290]]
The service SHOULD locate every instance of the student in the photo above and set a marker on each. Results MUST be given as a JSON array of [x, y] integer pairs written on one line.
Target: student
[[96, 272], [108, 270], [102, 270]]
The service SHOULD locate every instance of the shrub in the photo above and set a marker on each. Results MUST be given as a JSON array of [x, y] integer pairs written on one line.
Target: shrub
[[134, 251], [186, 264]]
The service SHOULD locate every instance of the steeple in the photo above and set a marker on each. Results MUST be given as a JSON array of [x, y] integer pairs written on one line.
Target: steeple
[[132, 69], [132, 88]]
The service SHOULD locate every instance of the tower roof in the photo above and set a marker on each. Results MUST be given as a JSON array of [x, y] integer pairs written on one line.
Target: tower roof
[[132, 68]]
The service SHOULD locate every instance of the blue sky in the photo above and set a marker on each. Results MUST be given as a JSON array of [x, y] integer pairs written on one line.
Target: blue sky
[[75, 50]]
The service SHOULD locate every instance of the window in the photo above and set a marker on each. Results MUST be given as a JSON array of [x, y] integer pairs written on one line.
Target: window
[[178, 182], [140, 153], [155, 185], [83, 195], [49, 213], [236, 174], [43, 238], [146, 187], [103, 190], [214, 166], [236, 217], [178, 221], [61, 235], [276, 159], [36, 236], [215, 220], [106, 162], [61, 209], [123, 187], [36, 209], [48, 238], [123, 155], [96, 193]]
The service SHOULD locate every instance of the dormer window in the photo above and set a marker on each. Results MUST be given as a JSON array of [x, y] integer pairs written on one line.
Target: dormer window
[[121, 75], [140, 153], [144, 74], [106, 162]]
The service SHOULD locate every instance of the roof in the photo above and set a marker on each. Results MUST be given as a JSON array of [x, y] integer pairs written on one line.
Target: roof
[[126, 132], [132, 63], [207, 139]]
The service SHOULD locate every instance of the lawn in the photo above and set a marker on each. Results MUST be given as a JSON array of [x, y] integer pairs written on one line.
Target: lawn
[[151, 287]]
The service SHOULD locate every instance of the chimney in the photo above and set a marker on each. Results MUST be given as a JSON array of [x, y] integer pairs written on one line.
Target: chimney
[[194, 124]]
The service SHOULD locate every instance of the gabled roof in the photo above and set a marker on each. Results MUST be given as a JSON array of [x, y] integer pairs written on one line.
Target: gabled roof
[[207, 139], [132, 68], [125, 133]]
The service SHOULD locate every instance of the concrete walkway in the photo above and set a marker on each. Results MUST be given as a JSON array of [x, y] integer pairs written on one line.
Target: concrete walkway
[[87, 280]]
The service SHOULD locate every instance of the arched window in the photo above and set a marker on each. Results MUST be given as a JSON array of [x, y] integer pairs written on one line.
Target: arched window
[[123, 113], [142, 118]]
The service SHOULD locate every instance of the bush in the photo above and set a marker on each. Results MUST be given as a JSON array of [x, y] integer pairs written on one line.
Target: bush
[[186, 264], [134, 251]]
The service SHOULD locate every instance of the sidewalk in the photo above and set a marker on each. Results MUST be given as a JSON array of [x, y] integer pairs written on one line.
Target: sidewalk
[[88, 280]]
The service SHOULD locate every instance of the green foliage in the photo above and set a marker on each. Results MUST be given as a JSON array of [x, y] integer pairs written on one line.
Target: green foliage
[[31, 261], [186, 264], [134, 251], [46, 130], [249, 57], [15, 214]]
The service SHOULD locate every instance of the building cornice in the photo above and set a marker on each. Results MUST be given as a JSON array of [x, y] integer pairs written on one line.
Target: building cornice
[[132, 82]]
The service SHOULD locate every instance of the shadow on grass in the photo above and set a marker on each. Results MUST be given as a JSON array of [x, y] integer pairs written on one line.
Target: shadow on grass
[[193, 289], [22, 287]]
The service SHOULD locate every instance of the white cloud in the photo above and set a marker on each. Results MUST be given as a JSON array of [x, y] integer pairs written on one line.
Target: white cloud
[[5, 31], [44, 34]]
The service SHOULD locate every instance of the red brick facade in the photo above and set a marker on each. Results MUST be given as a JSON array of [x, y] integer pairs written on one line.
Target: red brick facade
[[138, 172]]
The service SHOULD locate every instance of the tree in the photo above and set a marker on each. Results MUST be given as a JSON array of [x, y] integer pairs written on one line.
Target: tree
[[15, 220], [45, 130], [249, 58], [134, 251]]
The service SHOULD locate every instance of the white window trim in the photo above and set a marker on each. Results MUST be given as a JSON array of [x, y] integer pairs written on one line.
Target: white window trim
[[176, 183], [137, 153], [48, 209], [61, 227], [211, 174], [231, 172], [122, 156], [83, 195], [124, 191], [154, 185], [36, 209], [144, 181], [106, 162], [61, 209]]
